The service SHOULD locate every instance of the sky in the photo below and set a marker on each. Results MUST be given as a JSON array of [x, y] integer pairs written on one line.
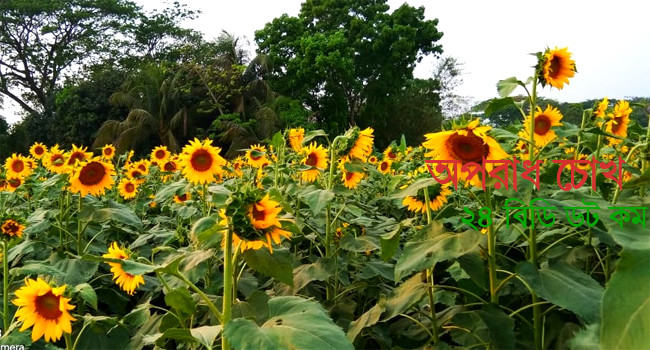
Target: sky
[[492, 39]]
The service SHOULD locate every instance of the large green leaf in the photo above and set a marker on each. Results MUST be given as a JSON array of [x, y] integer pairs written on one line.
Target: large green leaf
[[294, 323], [565, 286], [496, 104], [506, 86], [277, 265], [422, 255], [413, 188], [626, 303], [490, 324], [316, 198], [321, 270], [114, 211]]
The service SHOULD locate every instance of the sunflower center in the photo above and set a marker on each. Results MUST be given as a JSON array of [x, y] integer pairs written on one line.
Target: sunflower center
[[392, 155], [542, 125], [92, 174], [169, 166], [256, 155], [258, 214], [182, 197], [201, 160], [160, 154], [10, 227], [467, 148], [349, 176], [15, 182], [76, 156], [129, 187], [108, 152], [616, 125], [384, 166], [17, 166], [57, 160], [39, 150], [312, 159], [135, 174], [556, 64], [142, 167], [47, 306]]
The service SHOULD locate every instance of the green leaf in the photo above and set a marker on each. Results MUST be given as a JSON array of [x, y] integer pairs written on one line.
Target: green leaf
[[207, 232], [321, 270], [626, 303], [115, 211], [367, 319], [36, 269], [407, 294], [87, 293], [277, 141], [278, 265], [171, 189], [489, 324], [136, 268], [565, 286], [312, 134], [496, 104], [294, 323], [389, 243], [585, 339], [421, 255], [413, 189], [206, 335], [316, 198], [643, 180], [181, 300], [507, 86]]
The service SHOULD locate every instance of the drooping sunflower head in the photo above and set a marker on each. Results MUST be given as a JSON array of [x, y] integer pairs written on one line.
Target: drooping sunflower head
[[17, 166], [315, 156], [619, 121], [160, 155], [77, 154], [12, 228], [350, 179], [92, 177], [556, 67], [108, 152], [362, 144], [600, 108], [264, 213], [544, 121], [256, 156], [126, 281], [44, 308], [128, 188], [54, 160], [38, 150], [295, 138], [201, 161]]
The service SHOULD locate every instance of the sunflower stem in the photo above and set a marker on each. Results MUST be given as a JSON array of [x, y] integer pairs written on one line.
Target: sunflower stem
[[328, 223], [79, 243], [227, 284], [5, 286], [492, 265], [430, 282]]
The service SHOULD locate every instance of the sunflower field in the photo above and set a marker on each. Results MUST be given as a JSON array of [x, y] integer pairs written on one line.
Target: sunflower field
[[316, 241]]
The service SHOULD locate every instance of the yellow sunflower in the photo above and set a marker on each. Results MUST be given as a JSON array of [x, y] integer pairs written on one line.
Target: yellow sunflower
[[437, 198], [295, 138], [45, 308], [264, 213], [108, 152], [126, 281], [182, 198], [544, 121], [92, 177], [128, 188], [384, 166], [362, 145], [38, 150], [201, 161], [77, 154], [557, 67], [170, 165], [12, 228], [13, 183], [373, 160], [54, 160], [351, 178], [315, 157], [16, 166], [135, 174], [599, 112], [256, 156], [389, 153], [619, 121], [160, 155], [237, 164], [470, 144]]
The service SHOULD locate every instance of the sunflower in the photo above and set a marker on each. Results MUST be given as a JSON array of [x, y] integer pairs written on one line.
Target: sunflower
[[160, 155], [556, 67], [600, 109], [77, 154], [362, 145], [170, 166], [264, 214], [201, 161], [45, 308], [237, 164], [389, 153], [469, 144], [349, 178], [16, 166], [373, 160], [437, 198], [38, 150], [315, 157], [54, 160], [126, 281], [13, 183], [108, 152], [128, 188], [182, 198], [12, 228], [544, 121], [256, 156], [92, 177], [3, 184], [384, 166], [619, 121], [295, 138], [135, 174]]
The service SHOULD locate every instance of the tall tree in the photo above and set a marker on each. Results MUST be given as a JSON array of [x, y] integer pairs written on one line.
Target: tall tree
[[337, 55]]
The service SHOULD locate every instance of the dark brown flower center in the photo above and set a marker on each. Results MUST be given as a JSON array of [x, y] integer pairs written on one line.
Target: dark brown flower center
[[160, 154], [392, 155], [39, 150], [76, 156], [15, 182], [169, 166], [467, 148], [258, 214], [92, 174], [10, 227], [47, 306], [554, 69], [384, 166], [57, 160], [17, 165], [182, 197], [542, 124], [129, 187], [349, 176], [201, 160], [617, 124], [312, 159], [108, 151]]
